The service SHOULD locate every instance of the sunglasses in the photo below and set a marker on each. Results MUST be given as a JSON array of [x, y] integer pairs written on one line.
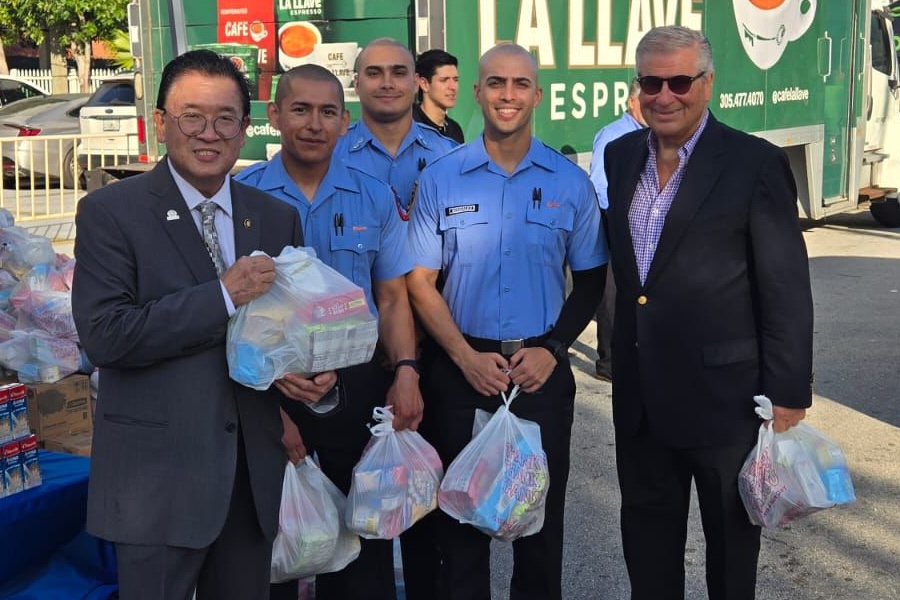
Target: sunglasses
[[679, 84]]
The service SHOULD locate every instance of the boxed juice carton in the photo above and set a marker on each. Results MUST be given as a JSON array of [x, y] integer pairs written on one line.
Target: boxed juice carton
[[6, 430], [31, 466], [13, 478], [18, 410]]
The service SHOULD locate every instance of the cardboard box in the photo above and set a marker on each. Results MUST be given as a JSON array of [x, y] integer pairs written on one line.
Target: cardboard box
[[56, 410], [75, 443]]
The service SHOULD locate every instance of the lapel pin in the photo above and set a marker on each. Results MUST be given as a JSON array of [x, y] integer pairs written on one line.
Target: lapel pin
[[248, 224], [172, 215]]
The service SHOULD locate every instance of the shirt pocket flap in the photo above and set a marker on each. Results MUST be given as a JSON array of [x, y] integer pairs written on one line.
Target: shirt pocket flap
[[558, 217], [359, 239], [462, 220]]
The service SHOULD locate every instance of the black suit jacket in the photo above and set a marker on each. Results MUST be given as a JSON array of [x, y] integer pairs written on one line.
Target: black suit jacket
[[150, 313], [726, 310]]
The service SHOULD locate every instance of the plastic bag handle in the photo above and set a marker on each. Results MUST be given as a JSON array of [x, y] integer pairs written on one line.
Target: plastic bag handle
[[507, 400], [383, 417]]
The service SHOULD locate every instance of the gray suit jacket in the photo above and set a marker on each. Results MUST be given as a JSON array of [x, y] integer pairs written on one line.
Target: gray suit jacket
[[150, 313]]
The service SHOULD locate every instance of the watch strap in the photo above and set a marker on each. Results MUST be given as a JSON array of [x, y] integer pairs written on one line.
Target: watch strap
[[407, 362]]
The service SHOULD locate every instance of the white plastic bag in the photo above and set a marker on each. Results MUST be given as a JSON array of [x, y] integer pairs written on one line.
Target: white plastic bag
[[312, 319], [395, 481], [499, 481], [308, 524], [348, 546], [792, 474]]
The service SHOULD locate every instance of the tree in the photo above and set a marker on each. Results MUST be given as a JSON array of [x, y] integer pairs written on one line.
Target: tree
[[70, 26]]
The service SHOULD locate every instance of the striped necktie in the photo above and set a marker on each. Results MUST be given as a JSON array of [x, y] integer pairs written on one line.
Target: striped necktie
[[210, 237]]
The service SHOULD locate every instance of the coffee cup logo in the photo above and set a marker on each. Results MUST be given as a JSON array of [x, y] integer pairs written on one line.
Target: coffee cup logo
[[297, 43], [258, 31], [767, 26]]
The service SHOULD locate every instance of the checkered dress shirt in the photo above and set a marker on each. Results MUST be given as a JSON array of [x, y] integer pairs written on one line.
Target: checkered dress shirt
[[650, 205]]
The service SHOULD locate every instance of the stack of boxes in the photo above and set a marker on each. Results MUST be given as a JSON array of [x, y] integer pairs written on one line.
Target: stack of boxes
[[19, 468], [56, 416]]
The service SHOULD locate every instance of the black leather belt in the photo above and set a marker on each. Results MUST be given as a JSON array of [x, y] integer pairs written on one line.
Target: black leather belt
[[505, 347]]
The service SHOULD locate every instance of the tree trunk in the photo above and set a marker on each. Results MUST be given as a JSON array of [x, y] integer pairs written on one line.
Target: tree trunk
[[4, 67], [83, 60]]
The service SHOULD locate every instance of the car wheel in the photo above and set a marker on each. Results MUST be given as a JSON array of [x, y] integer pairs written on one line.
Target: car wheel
[[71, 169]]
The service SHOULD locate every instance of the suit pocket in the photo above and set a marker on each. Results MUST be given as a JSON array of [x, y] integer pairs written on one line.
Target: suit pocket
[[134, 421], [727, 353]]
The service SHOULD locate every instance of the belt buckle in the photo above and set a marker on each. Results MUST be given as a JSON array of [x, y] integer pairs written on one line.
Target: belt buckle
[[510, 347]]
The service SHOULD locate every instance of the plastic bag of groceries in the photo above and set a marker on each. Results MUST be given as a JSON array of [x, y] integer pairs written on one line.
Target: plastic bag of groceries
[[394, 483], [498, 483], [308, 524], [38, 357], [21, 250], [347, 548], [312, 319], [792, 474]]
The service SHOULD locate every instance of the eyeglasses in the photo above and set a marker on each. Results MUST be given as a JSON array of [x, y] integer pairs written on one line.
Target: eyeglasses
[[193, 124], [679, 84]]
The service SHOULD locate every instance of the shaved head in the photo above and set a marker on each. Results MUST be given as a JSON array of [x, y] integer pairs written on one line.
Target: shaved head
[[382, 42], [506, 49]]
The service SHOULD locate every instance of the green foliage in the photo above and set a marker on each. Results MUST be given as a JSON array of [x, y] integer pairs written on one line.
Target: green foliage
[[121, 45], [64, 22]]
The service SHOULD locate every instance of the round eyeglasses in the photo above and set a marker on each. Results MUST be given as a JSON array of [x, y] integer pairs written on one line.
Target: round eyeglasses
[[679, 84], [193, 124]]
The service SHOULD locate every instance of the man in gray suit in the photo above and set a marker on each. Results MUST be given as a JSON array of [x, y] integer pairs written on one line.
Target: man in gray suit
[[187, 466]]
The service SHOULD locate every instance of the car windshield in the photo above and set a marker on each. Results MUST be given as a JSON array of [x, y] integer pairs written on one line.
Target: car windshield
[[110, 93]]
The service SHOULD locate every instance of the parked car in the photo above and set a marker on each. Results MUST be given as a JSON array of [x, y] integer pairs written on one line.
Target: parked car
[[42, 116], [13, 89], [109, 112]]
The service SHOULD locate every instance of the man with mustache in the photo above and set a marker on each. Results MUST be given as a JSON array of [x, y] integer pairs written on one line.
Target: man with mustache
[[367, 244], [387, 142]]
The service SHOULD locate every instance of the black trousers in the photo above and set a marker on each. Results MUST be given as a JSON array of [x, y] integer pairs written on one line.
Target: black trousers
[[465, 551], [339, 441], [655, 482]]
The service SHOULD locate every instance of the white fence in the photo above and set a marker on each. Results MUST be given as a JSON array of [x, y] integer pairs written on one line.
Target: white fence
[[42, 78]]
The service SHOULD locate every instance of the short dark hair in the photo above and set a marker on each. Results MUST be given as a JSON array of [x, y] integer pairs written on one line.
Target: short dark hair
[[205, 62], [308, 72], [430, 61]]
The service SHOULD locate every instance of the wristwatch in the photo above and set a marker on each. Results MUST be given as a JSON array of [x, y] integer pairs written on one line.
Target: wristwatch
[[555, 347], [407, 362]]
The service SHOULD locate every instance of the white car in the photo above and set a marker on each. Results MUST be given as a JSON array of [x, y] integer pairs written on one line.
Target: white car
[[15, 88], [109, 124]]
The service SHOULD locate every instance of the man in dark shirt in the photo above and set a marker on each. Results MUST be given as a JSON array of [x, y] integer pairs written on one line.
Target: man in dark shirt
[[438, 79]]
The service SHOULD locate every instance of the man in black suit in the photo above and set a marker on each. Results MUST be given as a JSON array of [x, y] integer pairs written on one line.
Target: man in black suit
[[713, 307], [187, 466]]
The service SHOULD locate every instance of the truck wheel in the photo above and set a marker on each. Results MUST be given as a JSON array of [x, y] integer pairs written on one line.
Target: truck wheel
[[886, 212]]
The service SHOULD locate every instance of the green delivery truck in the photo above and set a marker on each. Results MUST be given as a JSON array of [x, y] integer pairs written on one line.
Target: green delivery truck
[[816, 77]]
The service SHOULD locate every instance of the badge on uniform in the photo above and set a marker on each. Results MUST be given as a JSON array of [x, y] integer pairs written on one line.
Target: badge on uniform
[[458, 210]]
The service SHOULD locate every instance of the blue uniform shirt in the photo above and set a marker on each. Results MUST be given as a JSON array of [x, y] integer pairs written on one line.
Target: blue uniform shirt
[[351, 223], [624, 124], [503, 240], [421, 146]]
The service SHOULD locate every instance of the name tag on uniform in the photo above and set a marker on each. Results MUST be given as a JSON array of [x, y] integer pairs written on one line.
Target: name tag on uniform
[[458, 210]]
